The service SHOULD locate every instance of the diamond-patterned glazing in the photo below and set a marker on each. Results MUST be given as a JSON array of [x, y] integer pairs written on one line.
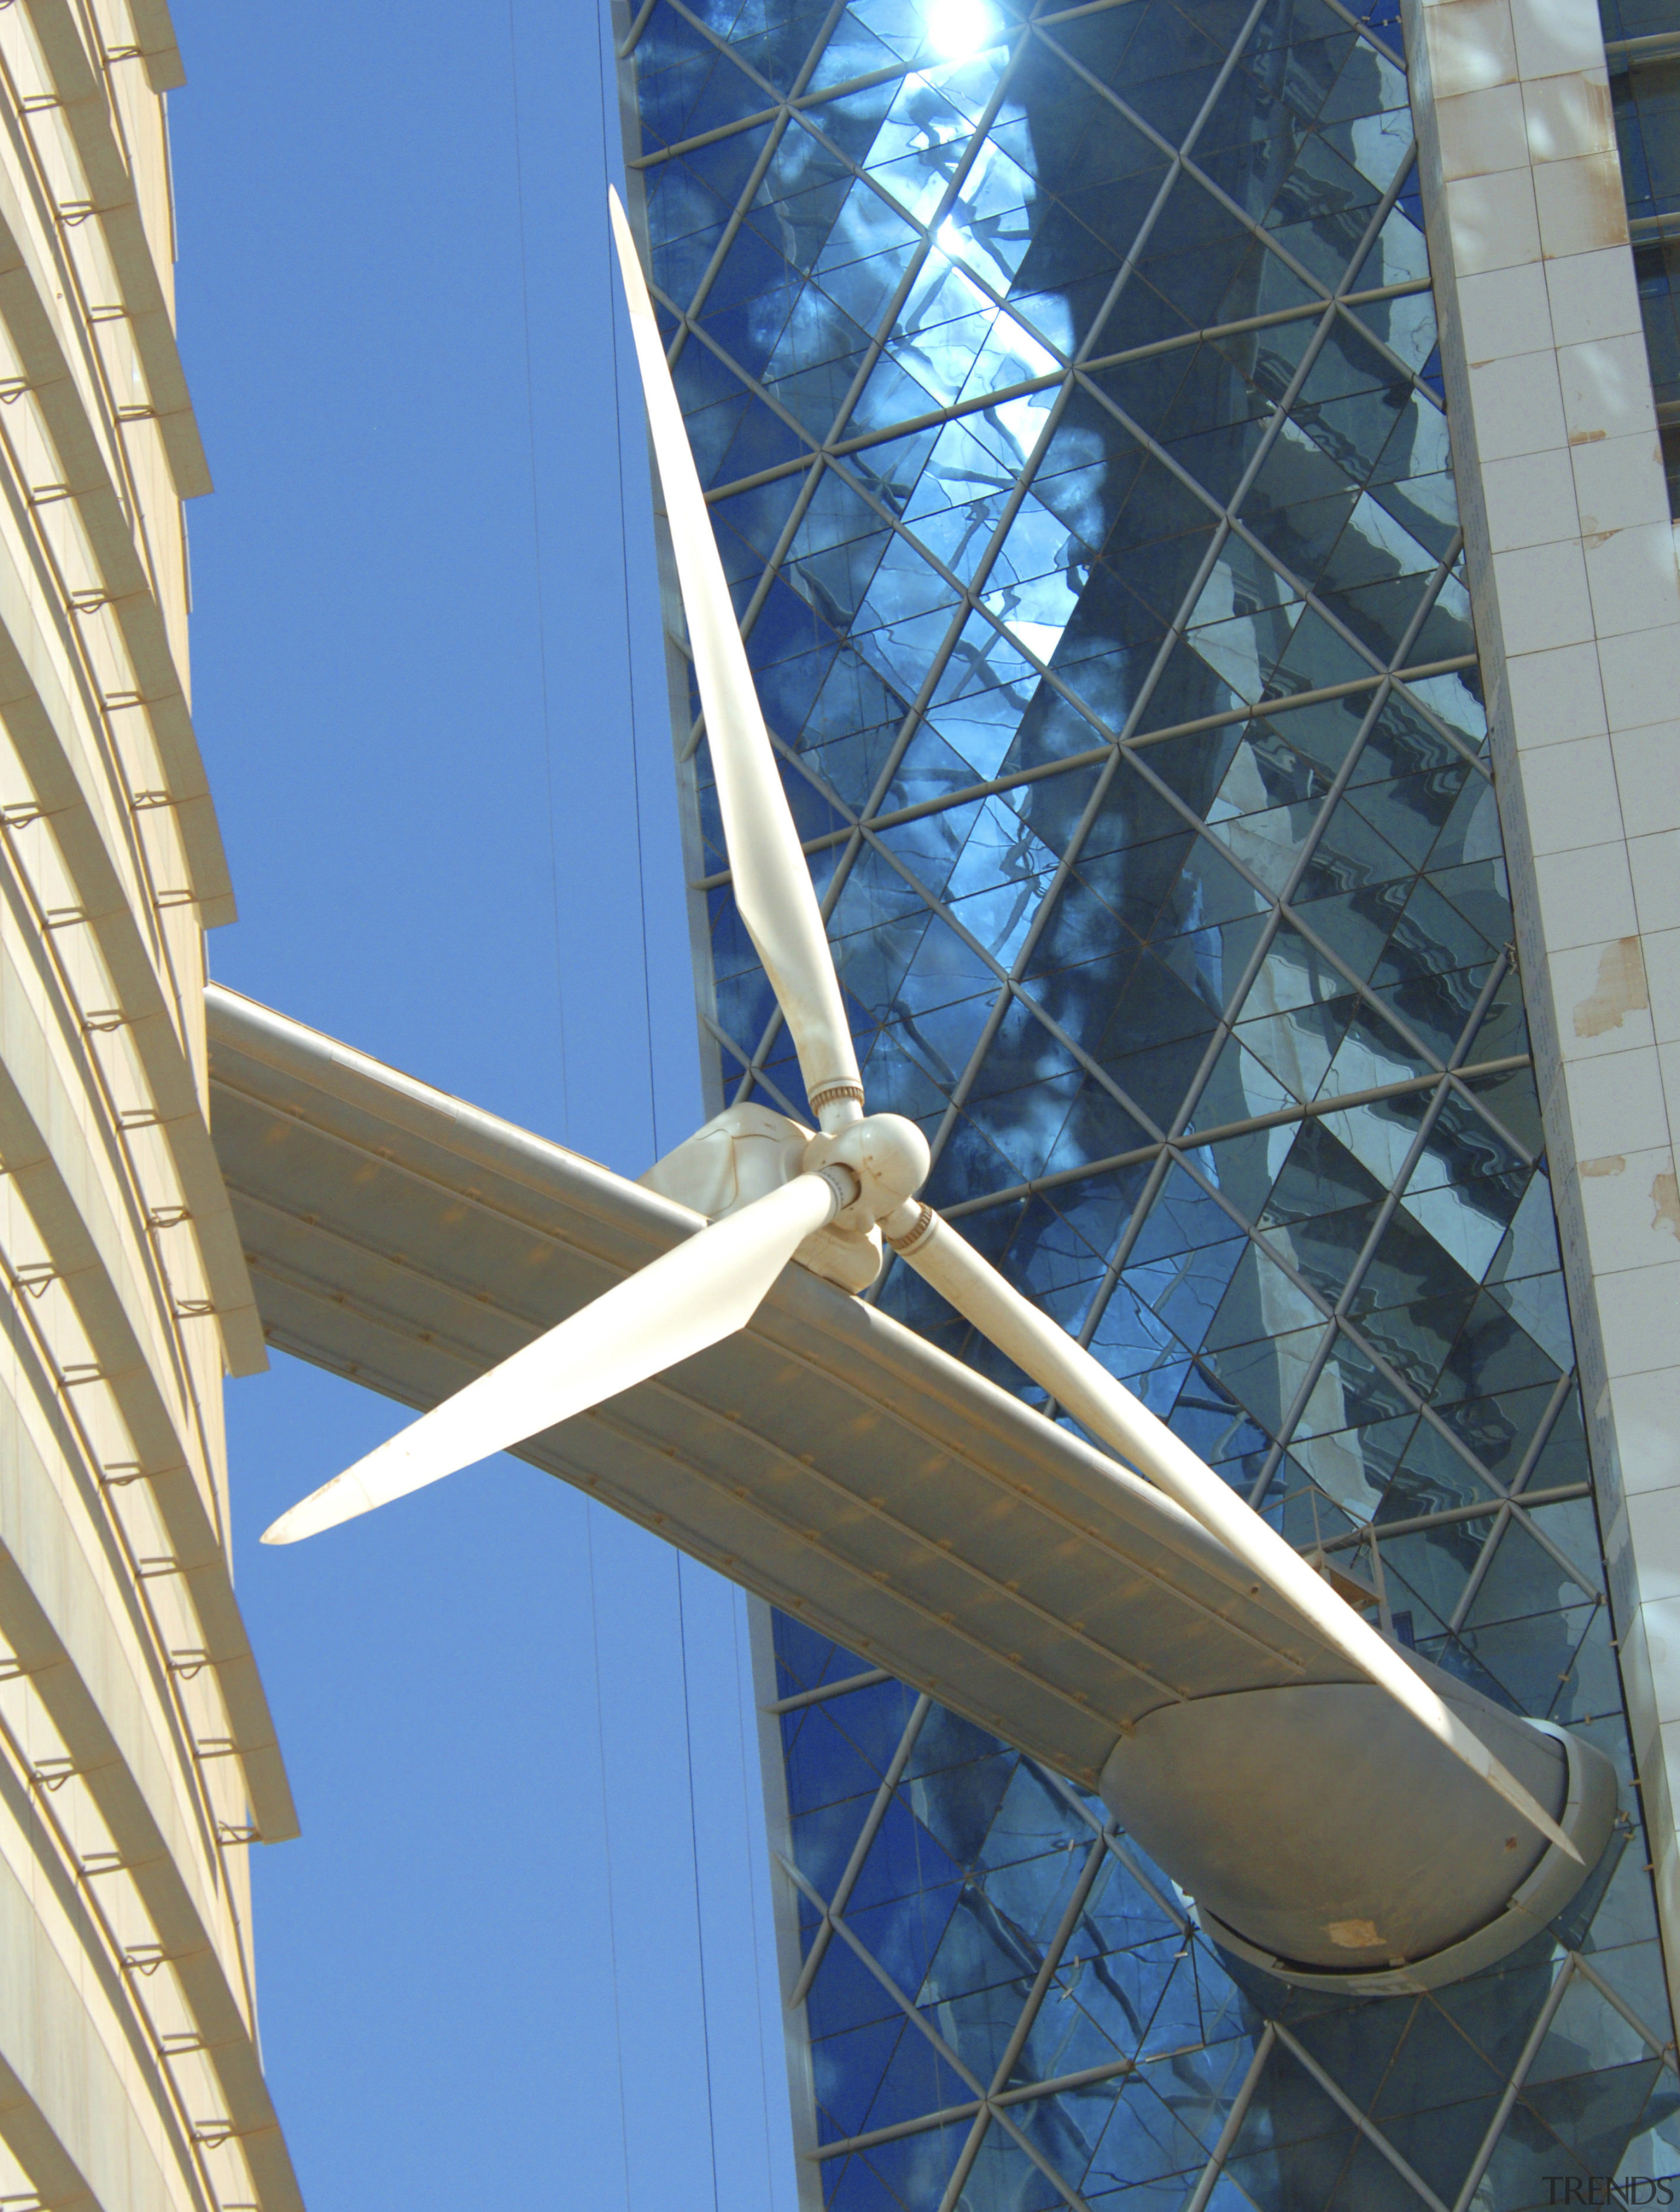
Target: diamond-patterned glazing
[[1064, 381]]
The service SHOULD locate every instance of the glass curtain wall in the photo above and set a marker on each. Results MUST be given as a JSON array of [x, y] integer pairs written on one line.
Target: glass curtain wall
[[1064, 382]]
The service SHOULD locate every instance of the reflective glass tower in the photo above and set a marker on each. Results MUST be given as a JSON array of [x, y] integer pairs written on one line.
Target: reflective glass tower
[[1067, 386]]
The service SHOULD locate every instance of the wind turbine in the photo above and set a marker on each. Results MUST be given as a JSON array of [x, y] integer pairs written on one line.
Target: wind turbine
[[828, 1197]]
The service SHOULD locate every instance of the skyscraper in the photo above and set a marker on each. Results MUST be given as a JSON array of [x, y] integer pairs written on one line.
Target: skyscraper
[[1195, 504], [137, 1757]]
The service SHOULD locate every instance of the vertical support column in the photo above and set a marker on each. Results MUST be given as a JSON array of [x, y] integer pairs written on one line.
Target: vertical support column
[[1573, 580], [801, 2081]]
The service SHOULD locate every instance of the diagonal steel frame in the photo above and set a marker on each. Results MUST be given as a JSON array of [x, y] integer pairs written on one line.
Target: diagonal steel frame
[[1095, 1860], [919, 2020], [860, 1852]]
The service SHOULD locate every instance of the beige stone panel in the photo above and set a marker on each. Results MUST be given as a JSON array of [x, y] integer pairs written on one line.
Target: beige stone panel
[[1655, 862], [1647, 771], [67, 1557], [1543, 598], [1644, 1722], [1472, 46], [1616, 1104], [1662, 971], [1602, 997], [1567, 116], [1571, 797], [1632, 576], [1556, 694], [1482, 132], [1506, 313], [1594, 296], [1555, 36], [1518, 405], [1493, 220], [1647, 1430], [1640, 1313], [1606, 386], [1580, 204], [1530, 499], [1641, 674], [1619, 483], [1632, 1206]]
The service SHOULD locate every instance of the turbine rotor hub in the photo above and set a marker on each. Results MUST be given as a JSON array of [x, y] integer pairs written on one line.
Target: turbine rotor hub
[[888, 1155]]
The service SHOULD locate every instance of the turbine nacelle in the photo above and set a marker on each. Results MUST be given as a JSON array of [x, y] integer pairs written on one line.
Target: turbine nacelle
[[748, 1151]]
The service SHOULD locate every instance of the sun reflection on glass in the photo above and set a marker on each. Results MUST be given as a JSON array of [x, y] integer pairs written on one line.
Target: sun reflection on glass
[[960, 27]]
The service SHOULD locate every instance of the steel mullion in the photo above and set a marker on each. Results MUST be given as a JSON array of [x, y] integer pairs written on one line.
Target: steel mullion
[[767, 154], [1024, 2093], [860, 1852], [970, 604], [1367, 1251], [1366, 2126], [1296, 1412], [1530, 2052], [1518, 1507], [1541, 1437], [1186, 1160], [1226, 515], [1333, 796], [1266, 238], [691, 315], [1096, 1859], [829, 93], [924, 2123], [979, 133], [1365, 31], [1311, 1109], [913, 2013], [813, 468], [1356, 1337], [978, 403], [1068, 860], [632, 38], [1110, 1833], [1613, 1997], [824, 1691], [969, 600], [1214, 2169], [784, 1105], [1071, 763], [1449, 1516], [1013, 989]]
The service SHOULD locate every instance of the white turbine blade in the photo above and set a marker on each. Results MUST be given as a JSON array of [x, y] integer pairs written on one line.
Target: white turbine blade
[[772, 883], [1108, 1409], [691, 1296]]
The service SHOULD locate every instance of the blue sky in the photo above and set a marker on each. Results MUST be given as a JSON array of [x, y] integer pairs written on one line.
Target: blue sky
[[521, 1953]]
